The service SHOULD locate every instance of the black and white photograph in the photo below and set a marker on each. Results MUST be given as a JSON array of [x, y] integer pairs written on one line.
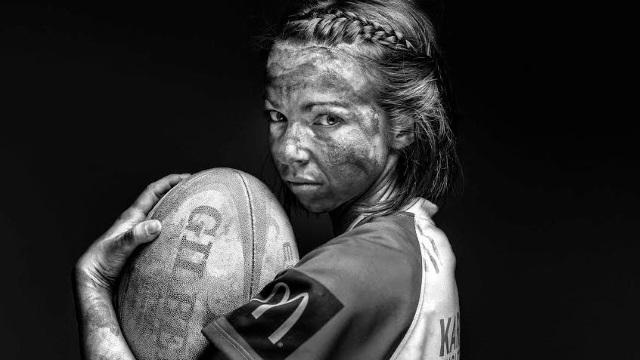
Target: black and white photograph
[[317, 180]]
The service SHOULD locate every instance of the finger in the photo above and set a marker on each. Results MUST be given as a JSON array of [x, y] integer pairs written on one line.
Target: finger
[[152, 194], [144, 203], [141, 233]]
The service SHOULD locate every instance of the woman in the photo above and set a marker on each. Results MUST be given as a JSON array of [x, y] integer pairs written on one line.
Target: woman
[[358, 128]]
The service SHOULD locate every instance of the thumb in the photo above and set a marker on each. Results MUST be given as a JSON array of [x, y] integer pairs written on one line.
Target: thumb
[[141, 233], [146, 231], [109, 257]]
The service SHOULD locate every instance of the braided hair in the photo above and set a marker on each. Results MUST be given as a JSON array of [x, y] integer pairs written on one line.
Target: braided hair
[[349, 27], [397, 43]]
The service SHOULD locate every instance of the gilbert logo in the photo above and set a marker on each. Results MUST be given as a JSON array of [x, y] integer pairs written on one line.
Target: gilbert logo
[[292, 319], [286, 314]]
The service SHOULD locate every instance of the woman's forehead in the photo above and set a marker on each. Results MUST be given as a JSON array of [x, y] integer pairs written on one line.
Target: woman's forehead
[[293, 65]]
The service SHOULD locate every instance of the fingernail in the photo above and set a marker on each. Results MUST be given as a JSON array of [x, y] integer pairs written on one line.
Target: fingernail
[[153, 228]]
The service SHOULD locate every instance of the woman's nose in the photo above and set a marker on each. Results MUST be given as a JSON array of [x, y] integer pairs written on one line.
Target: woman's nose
[[293, 149]]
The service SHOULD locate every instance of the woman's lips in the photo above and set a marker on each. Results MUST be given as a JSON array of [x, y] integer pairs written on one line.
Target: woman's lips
[[303, 186]]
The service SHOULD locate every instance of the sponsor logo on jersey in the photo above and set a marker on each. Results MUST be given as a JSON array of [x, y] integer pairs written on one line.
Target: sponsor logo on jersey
[[286, 313]]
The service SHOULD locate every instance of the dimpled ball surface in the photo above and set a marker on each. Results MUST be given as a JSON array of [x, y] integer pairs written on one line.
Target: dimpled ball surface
[[224, 237]]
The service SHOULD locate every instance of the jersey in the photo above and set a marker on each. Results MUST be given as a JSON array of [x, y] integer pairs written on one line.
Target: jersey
[[384, 289]]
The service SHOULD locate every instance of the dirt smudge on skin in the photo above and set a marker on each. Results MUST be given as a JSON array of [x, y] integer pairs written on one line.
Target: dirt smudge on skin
[[348, 157], [291, 68], [353, 158]]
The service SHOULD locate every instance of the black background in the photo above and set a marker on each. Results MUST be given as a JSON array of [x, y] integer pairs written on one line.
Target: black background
[[98, 100]]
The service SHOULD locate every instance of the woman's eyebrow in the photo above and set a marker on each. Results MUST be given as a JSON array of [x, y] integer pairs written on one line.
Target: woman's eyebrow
[[271, 102], [311, 104]]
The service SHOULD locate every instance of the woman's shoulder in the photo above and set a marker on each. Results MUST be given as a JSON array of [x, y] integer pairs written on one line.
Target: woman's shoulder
[[387, 236], [384, 235], [378, 259]]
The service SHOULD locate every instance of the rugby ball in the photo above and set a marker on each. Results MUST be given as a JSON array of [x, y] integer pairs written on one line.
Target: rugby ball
[[224, 237]]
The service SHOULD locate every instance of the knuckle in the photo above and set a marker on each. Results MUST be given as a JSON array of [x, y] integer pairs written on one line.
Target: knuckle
[[127, 214], [171, 178], [159, 185], [81, 265], [132, 214], [151, 187]]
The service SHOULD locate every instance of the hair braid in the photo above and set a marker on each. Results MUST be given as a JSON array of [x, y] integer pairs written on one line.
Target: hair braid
[[336, 24]]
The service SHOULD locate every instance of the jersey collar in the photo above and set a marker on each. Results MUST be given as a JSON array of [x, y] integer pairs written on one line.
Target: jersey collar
[[419, 207]]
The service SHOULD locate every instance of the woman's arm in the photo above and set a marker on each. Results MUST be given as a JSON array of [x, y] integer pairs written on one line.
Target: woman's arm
[[99, 267], [100, 334]]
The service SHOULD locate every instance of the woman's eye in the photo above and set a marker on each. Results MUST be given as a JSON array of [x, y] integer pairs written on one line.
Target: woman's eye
[[328, 120], [274, 116]]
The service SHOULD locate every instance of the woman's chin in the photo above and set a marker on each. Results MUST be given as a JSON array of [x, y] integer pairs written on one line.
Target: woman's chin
[[315, 208], [314, 205]]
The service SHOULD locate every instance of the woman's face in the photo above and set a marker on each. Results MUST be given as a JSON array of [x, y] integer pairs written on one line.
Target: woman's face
[[327, 135]]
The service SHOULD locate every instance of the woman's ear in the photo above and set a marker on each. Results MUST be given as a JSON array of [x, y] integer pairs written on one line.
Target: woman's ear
[[404, 135], [402, 139]]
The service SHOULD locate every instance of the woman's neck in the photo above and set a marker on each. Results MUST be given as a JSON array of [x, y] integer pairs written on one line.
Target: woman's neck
[[382, 189]]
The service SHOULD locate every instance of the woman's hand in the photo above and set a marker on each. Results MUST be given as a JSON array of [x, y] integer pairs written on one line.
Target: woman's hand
[[99, 267]]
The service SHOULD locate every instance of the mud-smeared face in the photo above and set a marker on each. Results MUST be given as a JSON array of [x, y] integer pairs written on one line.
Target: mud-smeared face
[[327, 135]]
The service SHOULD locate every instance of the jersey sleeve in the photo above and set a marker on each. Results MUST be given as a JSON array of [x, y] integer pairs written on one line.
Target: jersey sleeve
[[352, 299], [287, 312]]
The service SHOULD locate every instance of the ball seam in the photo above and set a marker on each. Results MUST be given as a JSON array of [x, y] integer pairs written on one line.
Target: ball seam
[[253, 247]]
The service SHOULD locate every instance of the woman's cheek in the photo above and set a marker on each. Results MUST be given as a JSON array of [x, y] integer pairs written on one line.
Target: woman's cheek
[[349, 163]]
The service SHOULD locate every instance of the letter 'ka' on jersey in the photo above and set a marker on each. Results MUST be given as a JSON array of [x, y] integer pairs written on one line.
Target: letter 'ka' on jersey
[[385, 289]]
